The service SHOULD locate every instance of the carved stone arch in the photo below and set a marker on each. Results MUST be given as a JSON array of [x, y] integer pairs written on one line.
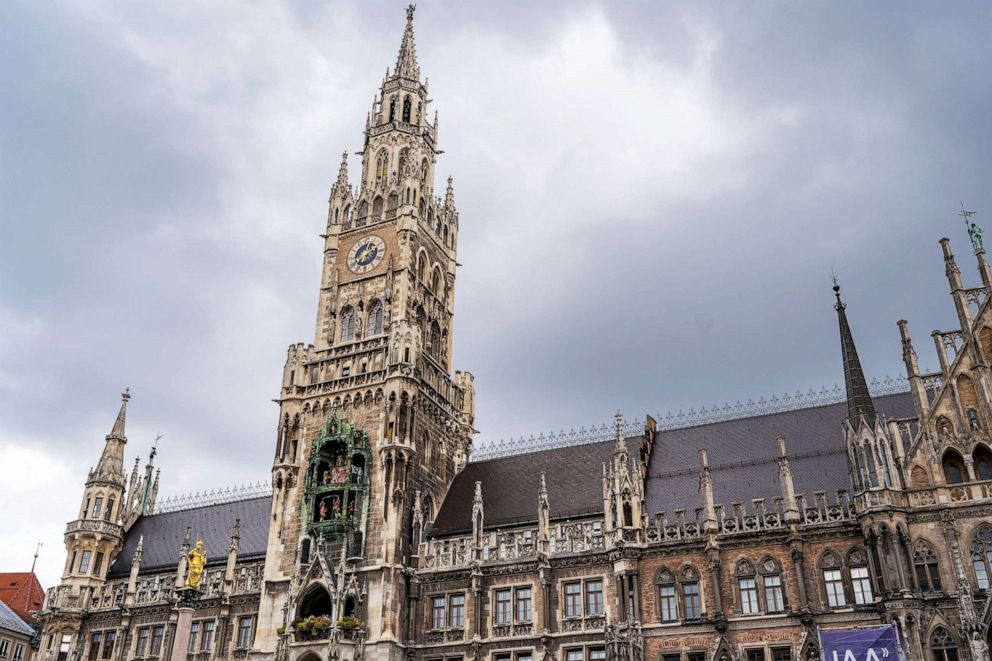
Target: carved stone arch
[[363, 209], [664, 576], [809, 650], [830, 560], [769, 565], [725, 651], [856, 557], [377, 206], [926, 565], [315, 599], [942, 637], [744, 567]]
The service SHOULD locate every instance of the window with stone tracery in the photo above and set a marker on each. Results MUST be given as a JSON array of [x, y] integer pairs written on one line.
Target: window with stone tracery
[[927, 569], [381, 168], [375, 318], [943, 646], [981, 556], [348, 323]]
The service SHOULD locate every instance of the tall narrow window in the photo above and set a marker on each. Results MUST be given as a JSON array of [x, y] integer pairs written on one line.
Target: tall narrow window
[[108, 512], [97, 506], [954, 471], [348, 321], [691, 601], [774, 597], [982, 459], [667, 602], [375, 318], [245, 632], [108, 644], [18, 652], [194, 635], [406, 109], [943, 646], [573, 599], [502, 614], [834, 583], [594, 597], [748, 588], [381, 168], [142, 645], [158, 635], [861, 584], [98, 565], [927, 569], [456, 611], [95, 646], [207, 643], [437, 613], [84, 562], [524, 605], [981, 556]]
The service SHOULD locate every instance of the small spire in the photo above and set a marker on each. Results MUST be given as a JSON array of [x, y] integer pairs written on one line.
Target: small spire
[[449, 194], [136, 558], [406, 61], [341, 187], [37, 549], [118, 430], [620, 445], [235, 536], [859, 401]]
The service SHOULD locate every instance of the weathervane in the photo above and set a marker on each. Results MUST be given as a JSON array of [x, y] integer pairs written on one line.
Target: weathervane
[[974, 231]]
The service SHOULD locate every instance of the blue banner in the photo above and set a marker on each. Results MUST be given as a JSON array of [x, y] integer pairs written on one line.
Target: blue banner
[[869, 644]]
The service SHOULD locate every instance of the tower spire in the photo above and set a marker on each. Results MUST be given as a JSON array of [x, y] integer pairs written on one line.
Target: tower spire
[[859, 402], [406, 61], [111, 464], [341, 187]]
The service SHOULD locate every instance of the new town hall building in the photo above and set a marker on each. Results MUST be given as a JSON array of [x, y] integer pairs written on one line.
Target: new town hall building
[[735, 537]]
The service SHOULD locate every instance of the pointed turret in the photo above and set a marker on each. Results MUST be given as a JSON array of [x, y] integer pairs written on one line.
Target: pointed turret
[[110, 468], [449, 194], [341, 188], [859, 402], [406, 61]]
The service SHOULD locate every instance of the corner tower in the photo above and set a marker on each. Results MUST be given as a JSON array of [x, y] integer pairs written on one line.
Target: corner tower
[[377, 380]]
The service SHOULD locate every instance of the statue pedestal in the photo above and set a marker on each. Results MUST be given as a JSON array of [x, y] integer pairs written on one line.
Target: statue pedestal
[[187, 602]]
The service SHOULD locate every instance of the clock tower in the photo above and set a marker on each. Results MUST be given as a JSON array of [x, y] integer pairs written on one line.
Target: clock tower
[[372, 424]]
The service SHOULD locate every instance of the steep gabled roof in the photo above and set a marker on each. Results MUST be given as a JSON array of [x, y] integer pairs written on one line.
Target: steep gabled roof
[[22, 592], [163, 534]]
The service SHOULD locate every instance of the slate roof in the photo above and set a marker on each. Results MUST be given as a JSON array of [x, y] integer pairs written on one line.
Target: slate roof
[[164, 534], [743, 457], [510, 485], [10, 621], [22, 592]]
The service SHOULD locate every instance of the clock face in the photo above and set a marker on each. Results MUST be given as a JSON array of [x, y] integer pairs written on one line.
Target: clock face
[[366, 254]]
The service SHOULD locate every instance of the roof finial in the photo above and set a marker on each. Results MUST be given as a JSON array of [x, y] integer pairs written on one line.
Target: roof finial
[[118, 430], [37, 549]]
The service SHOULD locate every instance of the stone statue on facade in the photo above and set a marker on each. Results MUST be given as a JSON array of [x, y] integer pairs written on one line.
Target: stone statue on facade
[[975, 232]]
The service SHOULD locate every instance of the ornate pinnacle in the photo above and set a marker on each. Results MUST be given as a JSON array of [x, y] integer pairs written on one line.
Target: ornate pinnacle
[[406, 61], [340, 186], [449, 194]]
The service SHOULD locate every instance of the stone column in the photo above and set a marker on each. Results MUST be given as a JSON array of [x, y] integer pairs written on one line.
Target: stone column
[[187, 600]]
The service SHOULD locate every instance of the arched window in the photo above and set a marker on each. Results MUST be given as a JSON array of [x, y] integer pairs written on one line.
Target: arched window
[[981, 556], [668, 604], [954, 470], [421, 267], [771, 581], [393, 201], [436, 281], [982, 459], [857, 566], [381, 167], [406, 109], [434, 340], [375, 318], [692, 598], [424, 169], [918, 477], [109, 511], [833, 580], [363, 210], [927, 570], [747, 588], [870, 471], [392, 109], [348, 322], [883, 456], [943, 646], [377, 208]]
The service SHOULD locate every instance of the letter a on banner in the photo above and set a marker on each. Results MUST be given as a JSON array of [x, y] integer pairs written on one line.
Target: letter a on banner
[[864, 644]]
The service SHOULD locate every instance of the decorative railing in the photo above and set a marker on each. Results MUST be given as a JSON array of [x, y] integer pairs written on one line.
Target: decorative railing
[[519, 544], [680, 528], [215, 497], [583, 623], [681, 420], [444, 635], [739, 520], [90, 525], [577, 537], [821, 510], [954, 493]]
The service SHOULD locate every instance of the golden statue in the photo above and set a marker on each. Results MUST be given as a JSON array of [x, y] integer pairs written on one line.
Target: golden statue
[[197, 561]]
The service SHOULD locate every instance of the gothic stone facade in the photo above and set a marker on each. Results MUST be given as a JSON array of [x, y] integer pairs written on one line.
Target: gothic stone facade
[[739, 538]]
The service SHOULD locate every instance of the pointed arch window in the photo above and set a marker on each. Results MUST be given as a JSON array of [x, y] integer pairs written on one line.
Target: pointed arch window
[[668, 605], [870, 471], [833, 580], [747, 588], [857, 564], [421, 266], [981, 556], [954, 470], [375, 318], [927, 569], [348, 323], [982, 460], [381, 167], [692, 599], [392, 109], [436, 282], [943, 646], [774, 590], [406, 109]]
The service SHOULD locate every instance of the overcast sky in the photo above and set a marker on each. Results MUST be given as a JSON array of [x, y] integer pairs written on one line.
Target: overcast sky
[[651, 199]]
